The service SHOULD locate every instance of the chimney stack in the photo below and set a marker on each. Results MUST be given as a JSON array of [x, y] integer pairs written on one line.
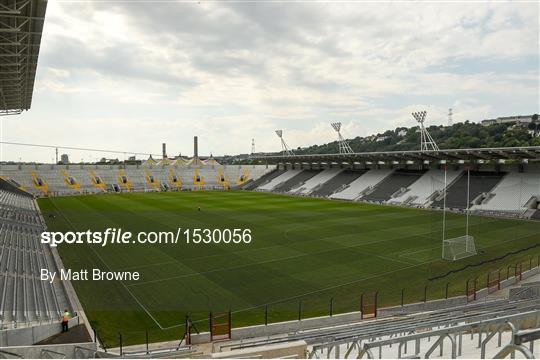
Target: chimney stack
[[195, 147], [164, 150]]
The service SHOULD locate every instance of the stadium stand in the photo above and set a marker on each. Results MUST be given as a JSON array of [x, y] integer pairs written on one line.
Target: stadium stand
[[421, 191], [77, 179], [365, 182], [297, 180], [279, 180], [481, 183], [316, 181], [509, 192], [253, 184], [397, 182], [335, 184], [25, 300], [512, 193]]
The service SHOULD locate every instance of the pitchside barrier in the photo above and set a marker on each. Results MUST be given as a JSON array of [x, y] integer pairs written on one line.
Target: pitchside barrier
[[494, 281], [470, 289], [368, 305], [220, 324], [519, 271]]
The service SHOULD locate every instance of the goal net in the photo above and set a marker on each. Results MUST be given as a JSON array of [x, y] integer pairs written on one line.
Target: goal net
[[458, 248]]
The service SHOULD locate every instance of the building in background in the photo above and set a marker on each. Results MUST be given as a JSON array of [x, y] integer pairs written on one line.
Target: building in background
[[64, 159], [518, 119]]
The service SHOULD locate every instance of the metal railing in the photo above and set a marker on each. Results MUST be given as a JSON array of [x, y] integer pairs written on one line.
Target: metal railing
[[485, 329]]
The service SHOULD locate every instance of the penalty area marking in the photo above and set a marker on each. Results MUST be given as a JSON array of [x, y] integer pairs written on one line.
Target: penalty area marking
[[139, 283], [272, 260], [423, 234]]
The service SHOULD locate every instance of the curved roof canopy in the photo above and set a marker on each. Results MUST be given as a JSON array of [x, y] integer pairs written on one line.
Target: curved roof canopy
[[21, 26]]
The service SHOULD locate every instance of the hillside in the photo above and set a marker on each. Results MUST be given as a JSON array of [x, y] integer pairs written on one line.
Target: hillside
[[458, 136]]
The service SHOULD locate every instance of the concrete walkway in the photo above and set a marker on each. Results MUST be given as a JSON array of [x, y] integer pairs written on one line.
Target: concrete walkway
[[77, 334]]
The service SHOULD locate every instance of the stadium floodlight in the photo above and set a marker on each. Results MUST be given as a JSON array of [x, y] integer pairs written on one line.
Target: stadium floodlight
[[284, 147], [344, 147], [426, 141]]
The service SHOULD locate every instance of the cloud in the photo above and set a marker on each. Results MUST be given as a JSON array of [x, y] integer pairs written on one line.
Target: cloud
[[132, 75]]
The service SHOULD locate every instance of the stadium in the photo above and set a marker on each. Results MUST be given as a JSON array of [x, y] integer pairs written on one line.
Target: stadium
[[431, 252]]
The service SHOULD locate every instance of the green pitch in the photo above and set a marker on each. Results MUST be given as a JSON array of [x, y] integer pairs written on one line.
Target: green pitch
[[303, 249]]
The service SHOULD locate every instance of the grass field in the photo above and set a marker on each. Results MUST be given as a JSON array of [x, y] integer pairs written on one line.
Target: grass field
[[303, 249]]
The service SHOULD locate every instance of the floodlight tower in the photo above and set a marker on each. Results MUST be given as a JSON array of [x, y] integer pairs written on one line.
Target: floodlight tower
[[284, 147], [252, 146], [344, 147], [450, 114], [426, 141]]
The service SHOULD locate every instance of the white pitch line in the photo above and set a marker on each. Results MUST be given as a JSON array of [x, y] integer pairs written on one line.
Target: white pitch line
[[269, 247], [109, 269], [278, 259]]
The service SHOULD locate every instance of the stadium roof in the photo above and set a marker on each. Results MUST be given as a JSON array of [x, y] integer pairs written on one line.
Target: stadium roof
[[530, 153], [21, 26]]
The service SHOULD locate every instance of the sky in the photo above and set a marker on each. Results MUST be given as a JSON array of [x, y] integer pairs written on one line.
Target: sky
[[129, 75]]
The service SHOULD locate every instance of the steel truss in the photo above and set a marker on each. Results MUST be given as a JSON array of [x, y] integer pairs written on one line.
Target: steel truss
[[21, 26], [344, 147]]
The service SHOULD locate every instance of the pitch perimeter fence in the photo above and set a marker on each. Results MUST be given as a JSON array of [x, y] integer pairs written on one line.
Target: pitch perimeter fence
[[371, 301]]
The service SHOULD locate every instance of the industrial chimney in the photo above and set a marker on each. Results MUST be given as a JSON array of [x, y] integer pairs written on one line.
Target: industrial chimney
[[164, 150], [195, 147]]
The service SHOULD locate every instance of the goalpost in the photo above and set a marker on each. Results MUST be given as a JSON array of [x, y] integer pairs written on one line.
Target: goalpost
[[458, 248], [462, 246]]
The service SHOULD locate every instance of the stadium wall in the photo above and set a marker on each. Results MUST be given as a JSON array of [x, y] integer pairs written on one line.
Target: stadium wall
[[290, 350]]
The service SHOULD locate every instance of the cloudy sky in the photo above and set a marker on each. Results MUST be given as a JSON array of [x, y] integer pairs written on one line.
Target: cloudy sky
[[129, 75]]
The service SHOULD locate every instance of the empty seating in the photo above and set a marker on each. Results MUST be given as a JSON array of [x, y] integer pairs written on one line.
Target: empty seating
[[399, 180], [365, 182], [264, 179], [431, 183], [480, 183], [297, 180], [315, 182], [337, 183], [24, 299], [77, 179], [536, 215], [15, 200], [279, 180], [512, 193]]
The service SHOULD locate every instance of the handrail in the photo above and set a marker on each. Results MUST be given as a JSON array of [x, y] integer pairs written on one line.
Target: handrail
[[18, 356], [52, 352], [451, 329], [448, 332]]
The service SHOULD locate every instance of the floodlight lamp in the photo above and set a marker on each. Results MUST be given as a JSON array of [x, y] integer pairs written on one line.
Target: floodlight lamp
[[336, 126]]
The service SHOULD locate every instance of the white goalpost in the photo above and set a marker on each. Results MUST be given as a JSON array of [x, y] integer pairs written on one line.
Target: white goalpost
[[458, 248], [462, 246]]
